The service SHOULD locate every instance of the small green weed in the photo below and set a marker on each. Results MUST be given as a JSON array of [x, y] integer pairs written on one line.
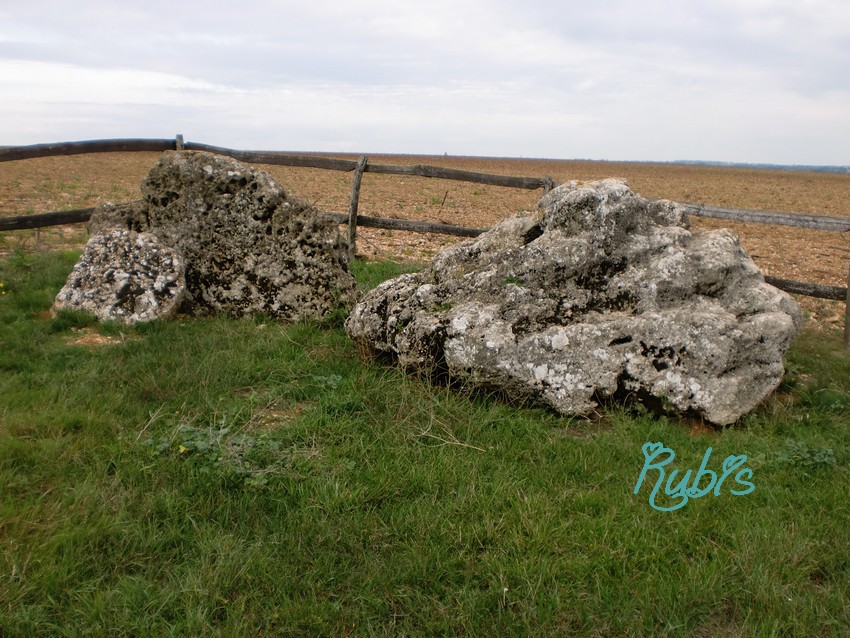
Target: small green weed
[[809, 457], [238, 457]]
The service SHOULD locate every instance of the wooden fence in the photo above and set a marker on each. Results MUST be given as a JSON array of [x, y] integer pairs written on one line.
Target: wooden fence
[[353, 219]]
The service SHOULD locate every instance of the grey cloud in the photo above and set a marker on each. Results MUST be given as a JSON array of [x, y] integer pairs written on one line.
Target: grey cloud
[[612, 78]]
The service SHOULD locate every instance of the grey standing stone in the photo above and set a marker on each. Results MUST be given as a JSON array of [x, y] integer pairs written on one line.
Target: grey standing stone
[[248, 246]]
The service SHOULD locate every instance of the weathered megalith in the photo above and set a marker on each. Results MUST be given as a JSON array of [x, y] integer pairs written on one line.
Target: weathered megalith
[[602, 295], [248, 246], [125, 276]]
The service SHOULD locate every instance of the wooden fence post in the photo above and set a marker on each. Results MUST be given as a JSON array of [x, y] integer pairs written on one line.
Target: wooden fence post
[[352, 207], [847, 315], [179, 145]]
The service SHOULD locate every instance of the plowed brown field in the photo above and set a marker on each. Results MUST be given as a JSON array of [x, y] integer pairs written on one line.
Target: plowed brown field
[[60, 183]]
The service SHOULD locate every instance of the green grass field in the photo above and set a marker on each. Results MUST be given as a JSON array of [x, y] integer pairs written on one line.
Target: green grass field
[[238, 477]]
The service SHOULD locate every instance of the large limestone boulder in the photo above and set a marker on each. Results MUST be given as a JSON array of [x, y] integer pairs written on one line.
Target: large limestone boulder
[[248, 246], [603, 295], [125, 276]]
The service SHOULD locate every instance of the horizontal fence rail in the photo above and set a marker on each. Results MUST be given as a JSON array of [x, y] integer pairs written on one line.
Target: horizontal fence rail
[[531, 183], [835, 293], [306, 161], [277, 158], [89, 146], [404, 224], [814, 222], [268, 157], [820, 291], [799, 220], [43, 220], [81, 215]]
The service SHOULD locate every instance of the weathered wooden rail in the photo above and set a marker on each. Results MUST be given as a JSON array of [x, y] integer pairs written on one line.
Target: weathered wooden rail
[[279, 158], [353, 219], [43, 220], [81, 148], [799, 220]]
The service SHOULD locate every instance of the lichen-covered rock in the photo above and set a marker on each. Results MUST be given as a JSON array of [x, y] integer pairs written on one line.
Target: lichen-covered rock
[[249, 247], [125, 276], [605, 294]]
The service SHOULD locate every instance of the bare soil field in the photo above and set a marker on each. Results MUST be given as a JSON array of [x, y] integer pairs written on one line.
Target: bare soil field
[[62, 183]]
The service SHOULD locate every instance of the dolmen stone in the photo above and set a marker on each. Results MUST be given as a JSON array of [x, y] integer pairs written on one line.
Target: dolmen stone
[[246, 245], [125, 276], [602, 296]]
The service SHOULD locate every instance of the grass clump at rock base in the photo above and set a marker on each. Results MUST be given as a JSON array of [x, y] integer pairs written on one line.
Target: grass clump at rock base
[[240, 477]]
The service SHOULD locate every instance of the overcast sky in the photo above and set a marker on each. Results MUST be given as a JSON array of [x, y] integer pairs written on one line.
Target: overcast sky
[[726, 80]]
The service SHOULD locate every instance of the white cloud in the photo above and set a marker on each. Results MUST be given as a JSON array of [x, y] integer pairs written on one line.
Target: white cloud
[[64, 83]]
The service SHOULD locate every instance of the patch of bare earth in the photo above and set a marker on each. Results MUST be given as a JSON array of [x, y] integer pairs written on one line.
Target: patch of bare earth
[[88, 337], [277, 414], [48, 184]]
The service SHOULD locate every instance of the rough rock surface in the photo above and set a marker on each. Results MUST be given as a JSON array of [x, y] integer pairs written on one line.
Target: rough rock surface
[[248, 246], [602, 295], [125, 276]]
